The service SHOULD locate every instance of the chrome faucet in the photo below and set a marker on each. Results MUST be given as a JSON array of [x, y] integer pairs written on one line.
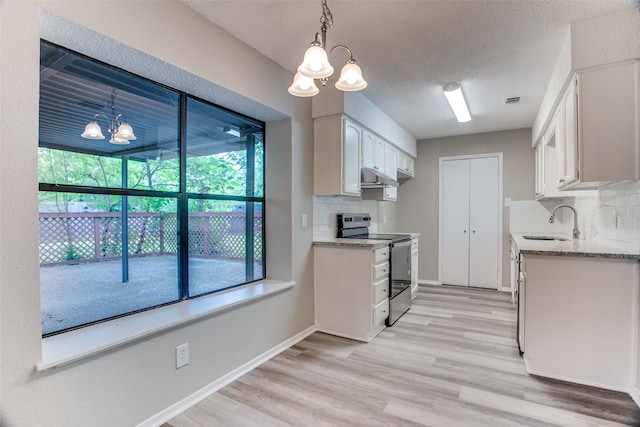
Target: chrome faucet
[[576, 232]]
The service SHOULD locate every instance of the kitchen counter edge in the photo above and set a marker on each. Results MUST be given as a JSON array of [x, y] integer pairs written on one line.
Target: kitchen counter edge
[[351, 243], [582, 248]]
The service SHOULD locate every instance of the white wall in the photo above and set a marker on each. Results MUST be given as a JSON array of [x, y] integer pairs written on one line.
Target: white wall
[[131, 383], [418, 203]]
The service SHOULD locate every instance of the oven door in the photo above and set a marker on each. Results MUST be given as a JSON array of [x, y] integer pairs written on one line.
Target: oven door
[[400, 283]]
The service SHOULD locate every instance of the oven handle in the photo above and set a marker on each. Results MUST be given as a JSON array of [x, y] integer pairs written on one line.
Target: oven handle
[[401, 244]]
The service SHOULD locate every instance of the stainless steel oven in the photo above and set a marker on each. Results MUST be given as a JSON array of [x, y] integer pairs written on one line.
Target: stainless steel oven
[[356, 226]]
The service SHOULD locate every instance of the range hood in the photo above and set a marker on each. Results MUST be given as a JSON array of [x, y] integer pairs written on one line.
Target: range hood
[[373, 178]]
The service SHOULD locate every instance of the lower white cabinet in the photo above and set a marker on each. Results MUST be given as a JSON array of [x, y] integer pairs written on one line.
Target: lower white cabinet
[[351, 290], [414, 268], [578, 318]]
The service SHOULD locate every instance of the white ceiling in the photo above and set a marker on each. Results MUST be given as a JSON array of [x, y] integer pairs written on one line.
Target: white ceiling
[[409, 49]]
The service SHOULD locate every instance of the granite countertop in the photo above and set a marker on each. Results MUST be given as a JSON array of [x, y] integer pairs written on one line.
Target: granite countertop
[[353, 243], [571, 247]]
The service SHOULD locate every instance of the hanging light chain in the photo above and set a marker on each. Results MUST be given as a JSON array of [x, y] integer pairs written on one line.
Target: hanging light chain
[[327, 18]]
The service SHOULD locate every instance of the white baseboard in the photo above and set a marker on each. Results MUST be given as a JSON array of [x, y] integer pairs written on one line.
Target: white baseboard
[[181, 406], [635, 395], [428, 282]]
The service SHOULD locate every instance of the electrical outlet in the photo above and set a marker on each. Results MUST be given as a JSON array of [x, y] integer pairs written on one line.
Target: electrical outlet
[[182, 355]]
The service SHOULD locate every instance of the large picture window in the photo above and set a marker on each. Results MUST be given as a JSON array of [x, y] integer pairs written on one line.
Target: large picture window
[[148, 195]]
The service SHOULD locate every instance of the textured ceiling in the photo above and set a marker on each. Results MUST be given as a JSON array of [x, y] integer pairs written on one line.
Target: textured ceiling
[[409, 49]]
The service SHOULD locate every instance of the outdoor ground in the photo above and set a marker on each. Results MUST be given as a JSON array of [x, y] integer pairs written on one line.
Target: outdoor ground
[[72, 295]]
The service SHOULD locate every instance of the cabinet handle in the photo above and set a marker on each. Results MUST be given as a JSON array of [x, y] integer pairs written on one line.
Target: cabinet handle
[[384, 271], [465, 231], [560, 181], [474, 231]]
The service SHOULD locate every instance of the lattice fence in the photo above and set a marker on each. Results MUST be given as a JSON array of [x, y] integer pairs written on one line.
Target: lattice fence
[[84, 237]]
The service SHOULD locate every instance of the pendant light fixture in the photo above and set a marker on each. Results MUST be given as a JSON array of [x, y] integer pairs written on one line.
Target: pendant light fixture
[[315, 64], [121, 131]]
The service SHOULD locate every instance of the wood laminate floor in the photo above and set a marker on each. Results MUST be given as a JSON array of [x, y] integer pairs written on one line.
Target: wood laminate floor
[[452, 360]]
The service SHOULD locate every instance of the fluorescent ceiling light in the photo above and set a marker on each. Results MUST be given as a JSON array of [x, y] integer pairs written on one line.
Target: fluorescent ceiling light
[[453, 92]]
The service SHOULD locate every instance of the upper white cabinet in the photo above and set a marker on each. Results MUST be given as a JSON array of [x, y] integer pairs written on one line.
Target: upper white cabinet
[[367, 150], [391, 161], [336, 156], [601, 127], [548, 165], [566, 140], [405, 165]]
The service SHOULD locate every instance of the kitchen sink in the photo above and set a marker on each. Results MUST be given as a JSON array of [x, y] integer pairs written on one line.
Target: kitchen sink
[[561, 239]]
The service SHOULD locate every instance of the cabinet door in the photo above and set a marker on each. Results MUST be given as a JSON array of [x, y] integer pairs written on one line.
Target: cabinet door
[[391, 193], [414, 272], [391, 161], [455, 223], [484, 219], [539, 165], [351, 158], [609, 116], [561, 144], [571, 134], [367, 147], [522, 295], [379, 146]]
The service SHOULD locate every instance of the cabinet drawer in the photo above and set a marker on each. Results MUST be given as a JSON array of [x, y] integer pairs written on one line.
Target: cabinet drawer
[[380, 291], [380, 271], [381, 255], [380, 312]]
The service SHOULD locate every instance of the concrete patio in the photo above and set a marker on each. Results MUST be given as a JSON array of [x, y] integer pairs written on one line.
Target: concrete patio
[[73, 295]]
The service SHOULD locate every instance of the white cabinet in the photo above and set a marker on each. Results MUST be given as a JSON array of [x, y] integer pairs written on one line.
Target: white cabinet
[[580, 318], [470, 239], [351, 291], [566, 141], [373, 151], [405, 165], [367, 150], [521, 284], [336, 156], [539, 169], [547, 166], [414, 267], [391, 161], [602, 127], [389, 194]]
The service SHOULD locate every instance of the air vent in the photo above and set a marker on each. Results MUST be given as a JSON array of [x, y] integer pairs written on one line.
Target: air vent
[[512, 100]]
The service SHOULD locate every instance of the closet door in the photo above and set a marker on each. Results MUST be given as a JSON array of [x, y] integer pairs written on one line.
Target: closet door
[[483, 222], [455, 223]]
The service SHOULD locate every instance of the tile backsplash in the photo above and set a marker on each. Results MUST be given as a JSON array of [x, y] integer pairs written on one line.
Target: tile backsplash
[[325, 209], [610, 213], [613, 214]]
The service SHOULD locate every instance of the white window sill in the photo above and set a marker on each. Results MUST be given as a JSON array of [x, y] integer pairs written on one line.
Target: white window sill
[[74, 345]]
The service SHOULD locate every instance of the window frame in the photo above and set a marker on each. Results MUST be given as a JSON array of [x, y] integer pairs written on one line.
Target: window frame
[[182, 197]]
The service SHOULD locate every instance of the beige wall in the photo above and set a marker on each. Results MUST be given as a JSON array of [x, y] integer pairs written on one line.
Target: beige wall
[[127, 385], [417, 206]]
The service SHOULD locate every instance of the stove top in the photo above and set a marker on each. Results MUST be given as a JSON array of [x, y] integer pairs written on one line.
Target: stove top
[[356, 226]]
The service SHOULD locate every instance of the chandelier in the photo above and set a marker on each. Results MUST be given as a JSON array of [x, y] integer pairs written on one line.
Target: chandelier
[[315, 64], [121, 131]]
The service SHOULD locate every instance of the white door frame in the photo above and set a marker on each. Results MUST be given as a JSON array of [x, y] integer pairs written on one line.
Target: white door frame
[[500, 209]]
